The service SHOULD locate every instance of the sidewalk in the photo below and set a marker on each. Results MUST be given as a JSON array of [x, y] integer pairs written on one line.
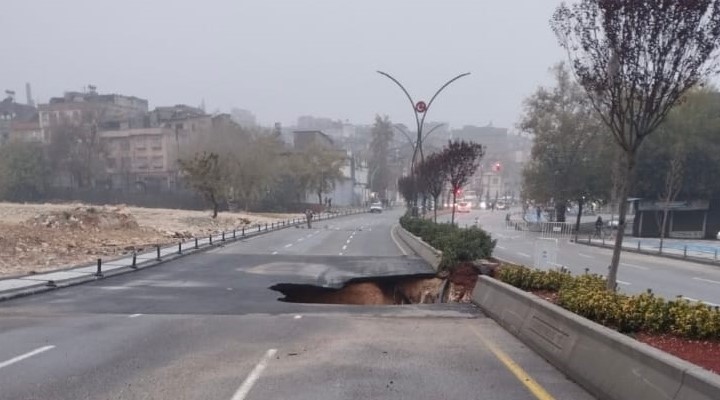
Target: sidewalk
[[706, 252]]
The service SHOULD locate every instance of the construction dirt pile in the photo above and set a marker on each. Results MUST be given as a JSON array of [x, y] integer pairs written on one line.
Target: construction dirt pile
[[42, 237]]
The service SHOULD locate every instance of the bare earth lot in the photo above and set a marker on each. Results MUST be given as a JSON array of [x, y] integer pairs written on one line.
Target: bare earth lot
[[41, 237]]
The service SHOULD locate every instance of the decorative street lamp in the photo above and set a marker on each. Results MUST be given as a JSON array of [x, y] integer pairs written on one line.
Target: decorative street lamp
[[420, 109]]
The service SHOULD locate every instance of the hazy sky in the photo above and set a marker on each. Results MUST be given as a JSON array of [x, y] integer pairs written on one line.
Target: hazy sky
[[283, 59]]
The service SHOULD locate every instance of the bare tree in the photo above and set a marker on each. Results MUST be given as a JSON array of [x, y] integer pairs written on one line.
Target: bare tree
[[460, 159], [673, 186], [636, 59], [433, 176]]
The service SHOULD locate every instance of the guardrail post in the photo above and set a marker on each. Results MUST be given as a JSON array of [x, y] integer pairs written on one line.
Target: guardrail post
[[134, 260], [234, 233], [272, 225], [639, 245], [179, 247], [266, 226], [685, 252], [157, 250], [99, 273], [588, 239], [196, 244], [661, 247], [243, 231], [259, 227], [223, 236]]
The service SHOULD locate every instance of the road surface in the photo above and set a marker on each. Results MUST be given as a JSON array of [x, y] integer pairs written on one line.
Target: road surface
[[207, 327], [638, 272]]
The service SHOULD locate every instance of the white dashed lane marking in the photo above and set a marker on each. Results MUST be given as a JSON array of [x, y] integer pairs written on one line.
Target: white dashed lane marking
[[25, 356]]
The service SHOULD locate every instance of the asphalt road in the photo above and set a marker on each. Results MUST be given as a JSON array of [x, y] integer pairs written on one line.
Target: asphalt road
[[207, 327], [637, 273]]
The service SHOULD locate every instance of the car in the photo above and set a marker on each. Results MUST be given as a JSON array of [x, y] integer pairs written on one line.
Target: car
[[376, 207], [463, 207], [501, 206]]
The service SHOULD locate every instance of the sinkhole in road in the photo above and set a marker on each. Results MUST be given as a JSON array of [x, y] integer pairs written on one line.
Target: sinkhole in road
[[386, 290]]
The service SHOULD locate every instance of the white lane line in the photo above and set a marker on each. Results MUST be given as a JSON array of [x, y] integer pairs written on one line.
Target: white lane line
[[623, 282], [392, 236], [523, 254], [134, 315], [340, 254], [309, 236], [707, 280], [249, 382], [300, 240], [288, 245], [345, 247], [24, 356], [701, 301], [297, 317], [500, 247], [635, 266], [585, 255], [274, 252], [348, 241]]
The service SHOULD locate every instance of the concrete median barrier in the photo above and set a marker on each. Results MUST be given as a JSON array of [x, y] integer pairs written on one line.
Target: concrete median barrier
[[428, 253], [608, 364]]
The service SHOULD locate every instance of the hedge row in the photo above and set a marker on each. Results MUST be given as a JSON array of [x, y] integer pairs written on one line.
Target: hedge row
[[586, 295], [457, 244]]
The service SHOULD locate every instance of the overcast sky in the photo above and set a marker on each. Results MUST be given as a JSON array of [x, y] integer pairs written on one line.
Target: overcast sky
[[283, 59]]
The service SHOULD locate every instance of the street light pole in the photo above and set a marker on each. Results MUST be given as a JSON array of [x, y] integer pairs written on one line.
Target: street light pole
[[420, 108]]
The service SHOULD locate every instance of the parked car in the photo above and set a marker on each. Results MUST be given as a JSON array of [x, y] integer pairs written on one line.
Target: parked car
[[376, 207]]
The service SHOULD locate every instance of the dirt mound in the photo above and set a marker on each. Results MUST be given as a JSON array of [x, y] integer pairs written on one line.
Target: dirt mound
[[85, 219]]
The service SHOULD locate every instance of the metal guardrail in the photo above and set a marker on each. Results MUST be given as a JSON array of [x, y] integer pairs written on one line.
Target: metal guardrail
[[185, 247]]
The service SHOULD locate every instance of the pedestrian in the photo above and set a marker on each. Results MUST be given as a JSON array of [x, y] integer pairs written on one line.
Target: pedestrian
[[329, 203], [598, 226]]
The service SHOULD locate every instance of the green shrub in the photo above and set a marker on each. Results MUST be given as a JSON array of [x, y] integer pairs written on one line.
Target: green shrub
[[457, 244], [586, 296]]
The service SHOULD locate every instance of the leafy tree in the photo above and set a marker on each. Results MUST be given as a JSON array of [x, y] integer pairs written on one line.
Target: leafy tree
[[636, 59], [460, 161], [568, 159], [433, 176], [408, 187], [378, 168], [321, 170], [23, 171], [205, 174]]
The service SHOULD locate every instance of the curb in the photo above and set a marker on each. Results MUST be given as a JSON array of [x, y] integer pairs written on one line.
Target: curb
[[428, 253], [43, 286]]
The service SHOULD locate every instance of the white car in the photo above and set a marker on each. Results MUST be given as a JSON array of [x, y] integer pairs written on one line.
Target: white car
[[376, 207]]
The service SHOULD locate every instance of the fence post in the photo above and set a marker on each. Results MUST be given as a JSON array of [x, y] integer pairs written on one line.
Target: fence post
[[588, 239], [179, 247], [603, 238], [661, 246], [715, 254], [639, 245], [272, 225], [134, 260], [243, 231], [259, 227], [266, 227], [99, 273], [196, 244], [234, 233], [685, 252], [157, 251], [210, 239], [223, 236]]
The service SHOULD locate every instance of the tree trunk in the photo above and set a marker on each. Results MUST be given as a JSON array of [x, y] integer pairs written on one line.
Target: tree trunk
[[319, 193], [623, 192], [454, 198], [215, 205], [560, 208], [435, 199], [666, 211], [581, 203]]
